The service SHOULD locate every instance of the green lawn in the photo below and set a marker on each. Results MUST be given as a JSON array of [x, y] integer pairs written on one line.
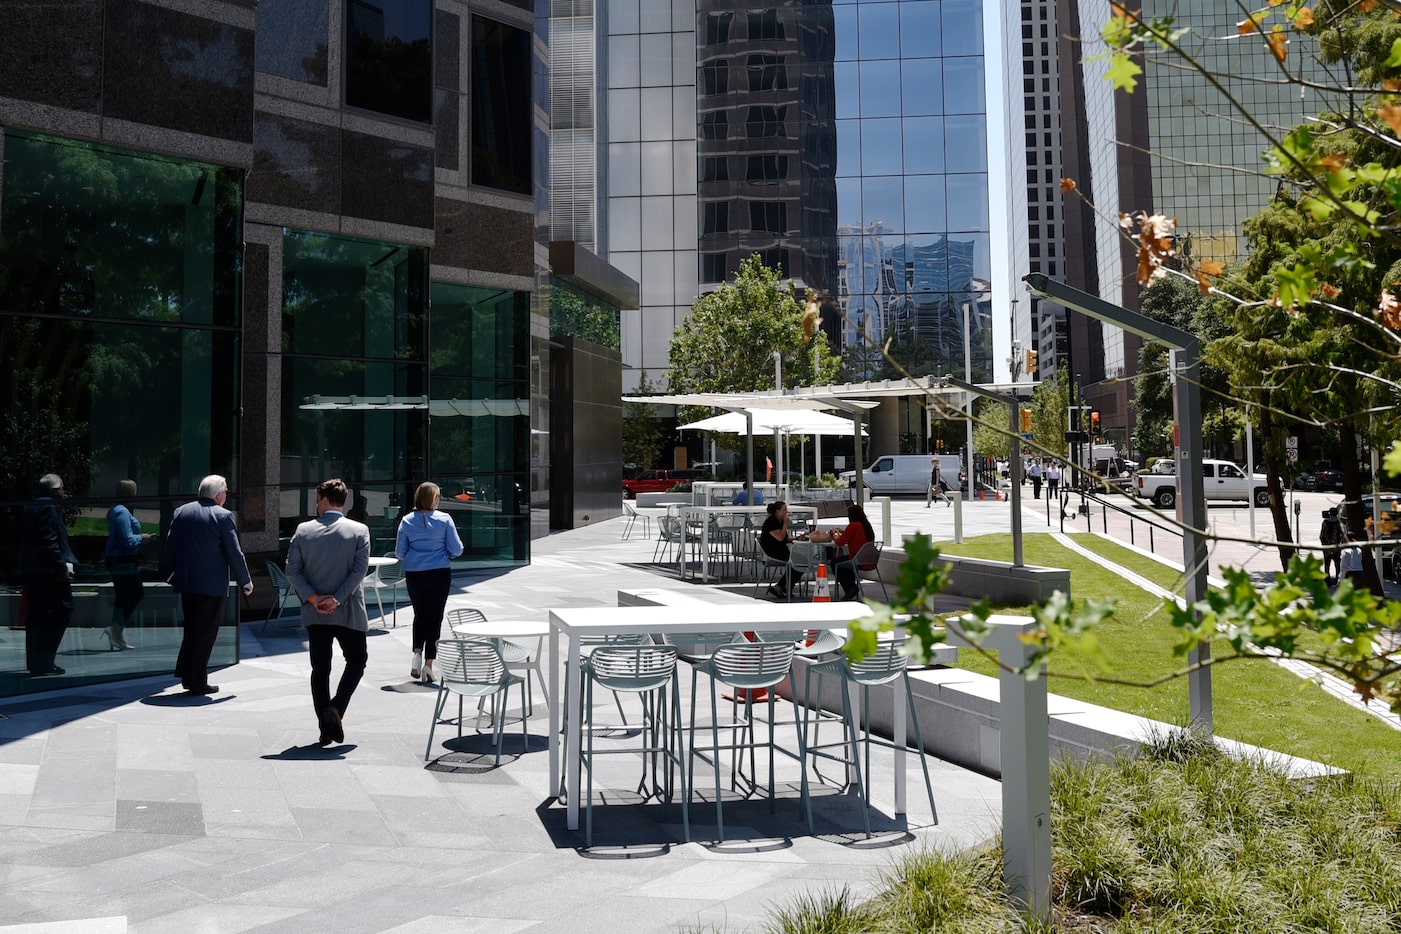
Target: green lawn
[[97, 525], [1255, 701]]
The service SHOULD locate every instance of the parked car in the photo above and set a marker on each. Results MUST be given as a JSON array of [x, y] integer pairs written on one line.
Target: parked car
[[659, 481], [1327, 480], [906, 473], [1221, 481]]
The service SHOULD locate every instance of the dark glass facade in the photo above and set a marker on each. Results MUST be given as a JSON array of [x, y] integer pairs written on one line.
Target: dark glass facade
[[846, 142], [119, 328], [389, 57], [501, 106], [480, 412]]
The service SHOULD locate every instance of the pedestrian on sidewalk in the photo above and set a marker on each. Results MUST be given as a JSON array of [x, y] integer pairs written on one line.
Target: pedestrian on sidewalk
[[326, 563], [1034, 472], [426, 544], [1330, 536], [936, 485], [1053, 477], [201, 554]]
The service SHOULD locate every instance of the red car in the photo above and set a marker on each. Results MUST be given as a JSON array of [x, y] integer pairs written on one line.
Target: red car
[[658, 481]]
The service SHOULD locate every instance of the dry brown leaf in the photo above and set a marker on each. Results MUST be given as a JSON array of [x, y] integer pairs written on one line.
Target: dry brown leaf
[[1366, 6], [1334, 163], [1329, 291], [1246, 26], [1067, 185], [1125, 221], [1389, 309], [1391, 115], [1212, 267], [1303, 18], [1279, 45], [1392, 84], [1203, 283]]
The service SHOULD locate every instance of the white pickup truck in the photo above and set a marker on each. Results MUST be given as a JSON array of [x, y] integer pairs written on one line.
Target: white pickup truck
[[1221, 481]]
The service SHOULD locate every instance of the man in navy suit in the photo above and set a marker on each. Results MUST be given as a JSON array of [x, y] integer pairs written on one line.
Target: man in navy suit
[[201, 554], [326, 563], [48, 565]]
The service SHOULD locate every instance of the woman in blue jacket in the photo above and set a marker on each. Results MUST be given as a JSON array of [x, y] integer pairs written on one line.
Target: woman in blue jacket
[[122, 554], [426, 545]]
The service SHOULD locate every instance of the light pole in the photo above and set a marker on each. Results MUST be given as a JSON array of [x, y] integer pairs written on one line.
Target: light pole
[[968, 378], [777, 432]]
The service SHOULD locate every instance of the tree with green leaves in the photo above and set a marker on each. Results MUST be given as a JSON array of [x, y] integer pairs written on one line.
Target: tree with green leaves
[[728, 341], [1049, 403], [642, 436]]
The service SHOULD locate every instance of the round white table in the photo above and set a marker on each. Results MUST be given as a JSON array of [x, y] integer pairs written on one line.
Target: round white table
[[514, 653]]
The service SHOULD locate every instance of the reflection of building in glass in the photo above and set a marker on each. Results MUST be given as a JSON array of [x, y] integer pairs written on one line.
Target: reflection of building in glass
[[829, 137]]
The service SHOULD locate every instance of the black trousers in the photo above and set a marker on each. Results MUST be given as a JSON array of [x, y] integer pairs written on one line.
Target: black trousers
[[319, 639], [127, 588], [428, 592], [50, 612], [203, 614]]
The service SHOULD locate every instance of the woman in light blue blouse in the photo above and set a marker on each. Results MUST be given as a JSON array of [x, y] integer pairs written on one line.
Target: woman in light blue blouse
[[123, 557], [427, 543]]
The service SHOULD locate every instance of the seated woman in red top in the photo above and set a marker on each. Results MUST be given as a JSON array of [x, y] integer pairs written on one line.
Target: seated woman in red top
[[857, 533]]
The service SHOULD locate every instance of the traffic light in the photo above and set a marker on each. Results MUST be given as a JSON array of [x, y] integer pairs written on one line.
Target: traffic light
[[1026, 420], [1094, 423], [1031, 361]]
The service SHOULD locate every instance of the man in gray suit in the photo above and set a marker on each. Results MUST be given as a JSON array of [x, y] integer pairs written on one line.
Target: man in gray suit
[[326, 564]]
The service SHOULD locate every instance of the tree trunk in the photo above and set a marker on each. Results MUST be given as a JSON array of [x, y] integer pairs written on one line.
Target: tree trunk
[[1279, 508], [1352, 496]]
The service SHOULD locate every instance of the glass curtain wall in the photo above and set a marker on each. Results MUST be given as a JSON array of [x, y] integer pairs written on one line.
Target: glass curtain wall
[[480, 408], [119, 316], [354, 377]]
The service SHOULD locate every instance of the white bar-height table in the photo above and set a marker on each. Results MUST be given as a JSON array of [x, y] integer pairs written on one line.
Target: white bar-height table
[[752, 616], [702, 515]]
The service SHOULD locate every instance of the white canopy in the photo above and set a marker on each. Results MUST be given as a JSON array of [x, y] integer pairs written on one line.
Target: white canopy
[[789, 421]]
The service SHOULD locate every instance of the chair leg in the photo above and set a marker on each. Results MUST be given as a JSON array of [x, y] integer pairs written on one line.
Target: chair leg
[[919, 743], [715, 750], [680, 750], [437, 712], [856, 756]]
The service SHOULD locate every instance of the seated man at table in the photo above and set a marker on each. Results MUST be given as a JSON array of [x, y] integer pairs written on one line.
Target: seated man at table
[[851, 539], [774, 539], [742, 498]]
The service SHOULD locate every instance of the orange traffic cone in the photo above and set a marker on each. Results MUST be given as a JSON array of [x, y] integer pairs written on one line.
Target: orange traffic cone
[[822, 594]]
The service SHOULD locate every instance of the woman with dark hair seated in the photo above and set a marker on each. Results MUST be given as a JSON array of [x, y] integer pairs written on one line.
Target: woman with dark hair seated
[[857, 533], [773, 540]]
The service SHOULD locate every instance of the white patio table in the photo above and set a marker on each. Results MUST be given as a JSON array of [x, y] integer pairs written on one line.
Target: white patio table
[[751, 616]]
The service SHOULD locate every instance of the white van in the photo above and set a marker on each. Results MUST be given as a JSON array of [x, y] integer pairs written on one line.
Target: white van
[[892, 474]]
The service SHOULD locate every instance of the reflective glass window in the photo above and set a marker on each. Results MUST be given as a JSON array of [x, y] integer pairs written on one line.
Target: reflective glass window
[[968, 202], [844, 28], [925, 204], [849, 202], [847, 84], [920, 29], [765, 121], [966, 136], [100, 231], [498, 326], [963, 27], [389, 57], [963, 86], [848, 147], [768, 167], [768, 216], [929, 252], [879, 30], [921, 86], [767, 73], [715, 125], [883, 200], [765, 24], [715, 218], [881, 147], [501, 108], [717, 28], [715, 77], [715, 169], [924, 146], [880, 89], [353, 298]]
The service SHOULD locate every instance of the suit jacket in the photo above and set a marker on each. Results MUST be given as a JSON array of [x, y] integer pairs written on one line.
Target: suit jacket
[[44, 548], [328, 557], [202, 552]]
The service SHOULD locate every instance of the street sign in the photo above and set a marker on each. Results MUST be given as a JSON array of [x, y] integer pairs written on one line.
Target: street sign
[[1291, 448]]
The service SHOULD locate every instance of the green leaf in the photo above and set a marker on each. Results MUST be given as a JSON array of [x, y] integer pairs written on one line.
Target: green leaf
[[1394, 59], [1123, 72], [1391, 462]]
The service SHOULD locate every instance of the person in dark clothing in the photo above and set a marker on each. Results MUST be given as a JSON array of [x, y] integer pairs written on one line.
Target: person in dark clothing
[[1331, 534], [773, 540], [201, 552], [123, 556], [47, 567]]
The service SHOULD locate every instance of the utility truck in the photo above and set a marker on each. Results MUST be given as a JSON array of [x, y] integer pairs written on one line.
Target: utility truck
[[1222, 481]]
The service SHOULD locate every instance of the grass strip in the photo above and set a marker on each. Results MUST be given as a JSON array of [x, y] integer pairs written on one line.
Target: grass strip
[[1255, 702]]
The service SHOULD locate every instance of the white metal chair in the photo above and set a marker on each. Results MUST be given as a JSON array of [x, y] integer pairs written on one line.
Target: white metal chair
[[285, 590], [518, 656], [650, 672], [747, 666], [630, 511], [387, 577], [886, 665], [867, 558], [474, 668]]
